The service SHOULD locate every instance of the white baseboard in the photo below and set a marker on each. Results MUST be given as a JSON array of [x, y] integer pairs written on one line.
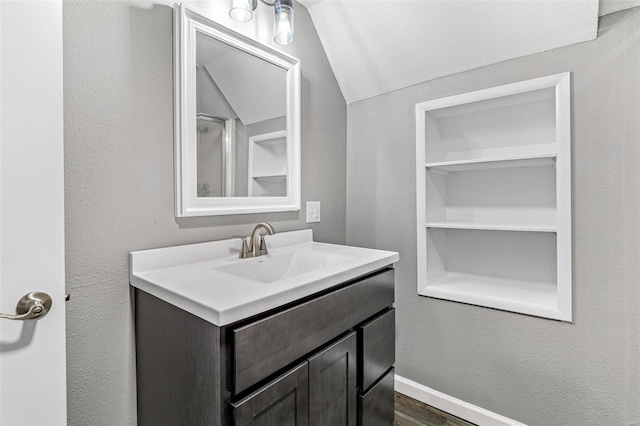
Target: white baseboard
[[451, 405]]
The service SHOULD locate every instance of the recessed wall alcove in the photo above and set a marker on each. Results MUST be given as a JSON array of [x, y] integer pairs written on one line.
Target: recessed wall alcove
[[494, 197]]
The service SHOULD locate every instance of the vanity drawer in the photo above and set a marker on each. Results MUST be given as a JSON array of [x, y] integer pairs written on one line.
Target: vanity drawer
[[268, 345], [378, 343], [376, 406]]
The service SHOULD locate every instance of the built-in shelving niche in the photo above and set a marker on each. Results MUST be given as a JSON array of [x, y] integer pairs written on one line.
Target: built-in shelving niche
[[494, 197]]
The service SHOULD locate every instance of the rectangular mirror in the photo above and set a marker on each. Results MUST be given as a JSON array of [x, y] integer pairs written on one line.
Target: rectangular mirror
[[237, 122]]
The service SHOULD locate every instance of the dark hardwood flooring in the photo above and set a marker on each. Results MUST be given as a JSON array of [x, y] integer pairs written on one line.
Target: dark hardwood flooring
[[410, 412]]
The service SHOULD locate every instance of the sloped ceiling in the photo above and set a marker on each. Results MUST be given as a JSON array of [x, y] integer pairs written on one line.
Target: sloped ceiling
[[376, 46], [611, 6], [241, 85]]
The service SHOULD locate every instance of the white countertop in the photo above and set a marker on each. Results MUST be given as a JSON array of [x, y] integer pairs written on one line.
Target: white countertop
[[186, 276]]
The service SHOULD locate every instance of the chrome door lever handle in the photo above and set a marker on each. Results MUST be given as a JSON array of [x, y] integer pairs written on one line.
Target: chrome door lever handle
[[31, 306]]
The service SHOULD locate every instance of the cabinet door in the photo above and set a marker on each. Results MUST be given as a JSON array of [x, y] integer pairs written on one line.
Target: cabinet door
[[332, 384], [283, 402]]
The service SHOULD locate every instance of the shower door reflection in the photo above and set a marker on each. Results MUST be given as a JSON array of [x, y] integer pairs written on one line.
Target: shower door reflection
[[214, 152]]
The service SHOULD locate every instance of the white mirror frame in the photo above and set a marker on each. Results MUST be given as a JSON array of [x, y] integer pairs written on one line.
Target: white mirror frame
[[186, 23]]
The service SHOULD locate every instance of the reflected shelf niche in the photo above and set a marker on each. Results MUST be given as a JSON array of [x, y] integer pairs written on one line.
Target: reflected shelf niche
[[494, 198], [268, 165]]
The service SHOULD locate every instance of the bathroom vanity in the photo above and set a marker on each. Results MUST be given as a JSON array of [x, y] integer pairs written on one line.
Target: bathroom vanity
[[302, 336]]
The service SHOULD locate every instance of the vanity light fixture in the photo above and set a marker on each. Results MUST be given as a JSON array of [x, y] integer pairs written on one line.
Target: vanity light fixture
[[242, 10]]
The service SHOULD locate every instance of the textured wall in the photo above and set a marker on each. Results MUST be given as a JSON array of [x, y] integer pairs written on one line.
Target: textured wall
[[119, 177], [537, 371]]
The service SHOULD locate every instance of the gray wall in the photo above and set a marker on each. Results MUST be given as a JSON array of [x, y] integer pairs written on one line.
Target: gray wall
[[537, 371], [119, 177]]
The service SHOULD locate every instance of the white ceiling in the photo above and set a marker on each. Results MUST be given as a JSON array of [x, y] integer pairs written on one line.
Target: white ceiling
[[376, 46]]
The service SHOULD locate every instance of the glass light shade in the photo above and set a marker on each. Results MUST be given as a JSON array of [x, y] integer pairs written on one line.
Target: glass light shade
[[283, 22], [241, 10]]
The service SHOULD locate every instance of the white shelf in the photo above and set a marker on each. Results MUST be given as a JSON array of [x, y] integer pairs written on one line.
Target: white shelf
[[461, 106], [493, 226], [280, 139], [270, 177], [528, 297], [494, 163], [493, 198]]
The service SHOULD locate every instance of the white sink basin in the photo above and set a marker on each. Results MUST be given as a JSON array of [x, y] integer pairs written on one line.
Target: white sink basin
[[211, 282], [273, 267]]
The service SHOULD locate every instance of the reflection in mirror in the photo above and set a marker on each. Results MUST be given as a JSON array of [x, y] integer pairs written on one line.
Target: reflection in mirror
[[212, 152], [241, 122], [237, 121]]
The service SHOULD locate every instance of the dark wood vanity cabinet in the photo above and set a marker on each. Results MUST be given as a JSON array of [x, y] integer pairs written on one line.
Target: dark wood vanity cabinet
[[325, 360]]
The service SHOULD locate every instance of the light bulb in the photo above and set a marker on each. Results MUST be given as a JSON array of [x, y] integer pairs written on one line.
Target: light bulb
[[283, 22]]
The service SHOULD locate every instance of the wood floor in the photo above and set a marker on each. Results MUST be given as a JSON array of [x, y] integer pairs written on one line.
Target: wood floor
[[409, 412]]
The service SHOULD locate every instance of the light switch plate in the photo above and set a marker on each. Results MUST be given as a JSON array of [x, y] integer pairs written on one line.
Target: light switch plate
[[313, 211]]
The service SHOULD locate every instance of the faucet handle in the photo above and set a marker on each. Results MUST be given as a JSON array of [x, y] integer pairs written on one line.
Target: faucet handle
[[245, 252], [263, 246]]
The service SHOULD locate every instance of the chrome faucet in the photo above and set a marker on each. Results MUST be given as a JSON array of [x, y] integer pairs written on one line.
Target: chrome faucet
[[257, 246]]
